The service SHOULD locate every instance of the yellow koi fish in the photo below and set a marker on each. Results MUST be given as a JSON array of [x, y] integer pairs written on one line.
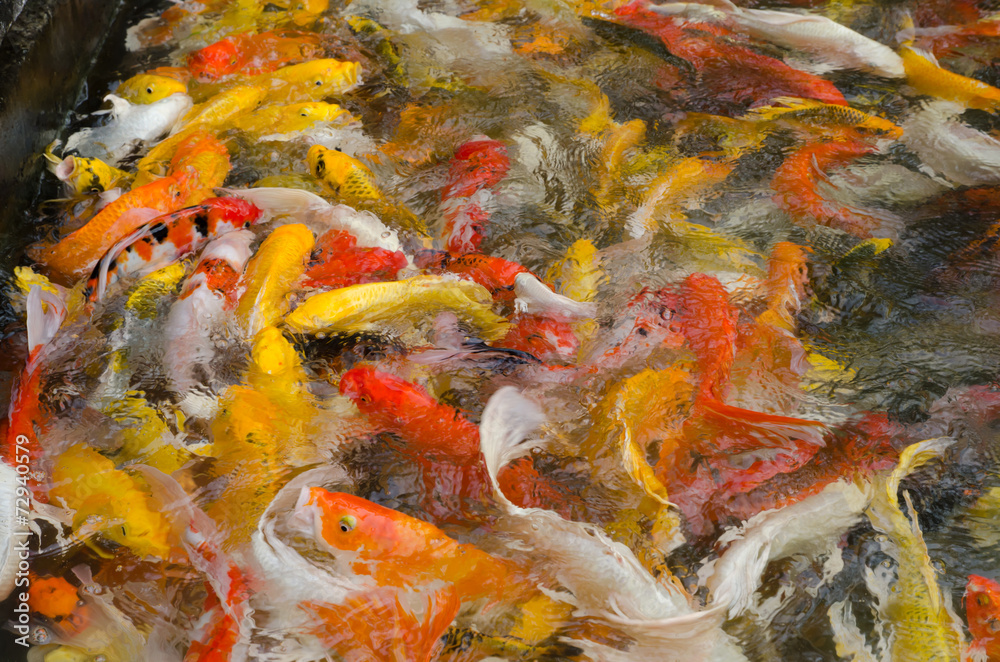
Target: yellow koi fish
[[278, 120], [668, 193], [270, 274], [926, 76], [109, 501], [149, 88], [310, 81], [355, 184], [816, 113], [86, 175], [389, 305], [923, 627]]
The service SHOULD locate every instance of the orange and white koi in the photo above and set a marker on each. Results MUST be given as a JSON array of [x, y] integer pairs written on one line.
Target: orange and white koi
[[400, 551], [170, 237], [476, 167], [982, 609], [338, 261]]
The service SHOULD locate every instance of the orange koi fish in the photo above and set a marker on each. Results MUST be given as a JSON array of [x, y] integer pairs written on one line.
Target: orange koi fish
[[376, 626], [75, 254], [168, 238], [732, 72], [400, 551], [546, 338], [205, 157], [251, 54], [795, 183], [982, 608], [337, 261]]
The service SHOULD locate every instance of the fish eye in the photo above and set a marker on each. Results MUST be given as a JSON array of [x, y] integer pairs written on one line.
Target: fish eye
[[304, 114], [347, 523], [318, 82], [983, 600], [149, 90], [365, 399]]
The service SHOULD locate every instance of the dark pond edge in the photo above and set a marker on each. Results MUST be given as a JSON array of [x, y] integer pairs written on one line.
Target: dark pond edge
[[45, 58]]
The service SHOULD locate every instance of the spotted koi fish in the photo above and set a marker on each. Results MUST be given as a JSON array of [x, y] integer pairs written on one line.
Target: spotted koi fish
[[168, 238]]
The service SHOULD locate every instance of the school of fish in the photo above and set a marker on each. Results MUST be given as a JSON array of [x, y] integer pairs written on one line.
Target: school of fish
[[515, 330]]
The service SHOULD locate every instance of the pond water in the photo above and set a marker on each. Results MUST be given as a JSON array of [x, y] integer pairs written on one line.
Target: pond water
[[526, 330]]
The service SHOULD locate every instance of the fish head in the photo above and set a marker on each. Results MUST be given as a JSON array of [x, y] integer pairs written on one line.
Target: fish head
[[477, 164], [322, 78], [330, 164], [233, 211], [216, 60], [348, 523], [318, 111], [273, 353], [149, 88], [982, 606]]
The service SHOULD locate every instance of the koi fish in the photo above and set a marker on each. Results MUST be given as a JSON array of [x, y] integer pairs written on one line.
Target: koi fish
[[926, 76], [251, 54], [546, 338], [131, 124], [149, 88], [814, 113], [982, 595], [170, 237], [75, 254], [832, 44], [399, 551], [923, 627], [400, 406], [495, 274], [310, 81], [720, 64], [667, 194], [311, 209], [275, 121], [210, 116], [270, 275], [337, 262], [478, 164], [377, 626], [395, 305], [355, 184], [957, 151], [795, 184], [84, 175], [109, 501]]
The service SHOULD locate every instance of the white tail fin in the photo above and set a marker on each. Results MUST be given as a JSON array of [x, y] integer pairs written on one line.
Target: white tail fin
[[45, 313]]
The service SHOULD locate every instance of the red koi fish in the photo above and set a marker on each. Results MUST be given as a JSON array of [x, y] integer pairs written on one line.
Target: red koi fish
[[337, 261], [25, 418], [443, 442], [982, 608], [795, 183], [251, 54], [228, 604], [168, 238], [495, 274], [477, 166], [546, 338], [743, 76]]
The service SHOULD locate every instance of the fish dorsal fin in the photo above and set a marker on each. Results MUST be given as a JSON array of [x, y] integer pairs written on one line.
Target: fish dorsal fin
[[906, 32]]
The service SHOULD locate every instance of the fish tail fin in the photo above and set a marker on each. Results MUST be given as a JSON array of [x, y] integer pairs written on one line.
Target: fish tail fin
[[507, 422], [912, 458], [45, 313], [906, 33]]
